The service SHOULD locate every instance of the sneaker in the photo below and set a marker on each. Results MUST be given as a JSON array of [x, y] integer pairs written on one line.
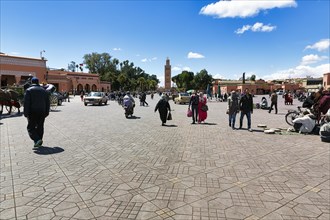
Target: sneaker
[[37, 145], [250, 130]]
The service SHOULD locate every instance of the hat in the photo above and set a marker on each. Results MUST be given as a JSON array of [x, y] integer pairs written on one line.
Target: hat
[[35, 80]]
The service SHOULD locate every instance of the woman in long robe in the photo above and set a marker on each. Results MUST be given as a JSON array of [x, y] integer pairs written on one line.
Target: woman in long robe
[[202, 115], [163, 107]]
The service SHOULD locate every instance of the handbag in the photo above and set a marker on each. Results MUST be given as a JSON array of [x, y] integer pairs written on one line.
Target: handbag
[[169, 116], [205, 108], [189, 113]]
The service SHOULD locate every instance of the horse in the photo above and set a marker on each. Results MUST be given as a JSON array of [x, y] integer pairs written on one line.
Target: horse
[[9, 97]]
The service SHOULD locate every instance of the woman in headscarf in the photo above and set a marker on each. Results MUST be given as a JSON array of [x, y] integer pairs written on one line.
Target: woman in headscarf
[[163, 107], [202, 115]]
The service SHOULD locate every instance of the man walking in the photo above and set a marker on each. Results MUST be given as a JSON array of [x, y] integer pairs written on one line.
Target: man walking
[[193, 103], [36, 109], [273, 99], [246, 107]]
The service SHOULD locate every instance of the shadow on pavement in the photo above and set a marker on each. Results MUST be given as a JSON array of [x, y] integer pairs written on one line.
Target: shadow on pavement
[[207, 123], [3, 116], [48, 150], [170, 125], [133, 117], [56, 110]]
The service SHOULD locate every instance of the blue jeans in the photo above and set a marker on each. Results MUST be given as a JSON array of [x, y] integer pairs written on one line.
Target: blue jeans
[[232, 119], [248, 115]]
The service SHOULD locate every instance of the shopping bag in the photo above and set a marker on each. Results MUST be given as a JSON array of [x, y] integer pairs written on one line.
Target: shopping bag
[[189, 113], [205, 108], [169, 116]]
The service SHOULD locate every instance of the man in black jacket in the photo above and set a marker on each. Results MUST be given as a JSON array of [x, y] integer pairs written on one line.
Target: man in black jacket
[[36, 109], [246, 107], [194, 100]]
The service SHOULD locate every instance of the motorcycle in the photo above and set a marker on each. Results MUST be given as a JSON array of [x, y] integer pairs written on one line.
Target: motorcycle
[[128, 107]]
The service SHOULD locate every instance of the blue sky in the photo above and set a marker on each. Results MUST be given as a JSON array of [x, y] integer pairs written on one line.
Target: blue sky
[[269, 38]]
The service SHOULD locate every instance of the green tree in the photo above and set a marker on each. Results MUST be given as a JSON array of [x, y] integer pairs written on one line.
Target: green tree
[[122, 79], [99, 63], [202, 79], [253, 78], [141, 82]]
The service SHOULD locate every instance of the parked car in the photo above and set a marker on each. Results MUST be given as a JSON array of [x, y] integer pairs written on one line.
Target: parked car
[[60, 97], [280, 92], [95, 98], [182, 97]]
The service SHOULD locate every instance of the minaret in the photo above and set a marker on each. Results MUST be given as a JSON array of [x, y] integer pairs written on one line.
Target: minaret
[[168, 79]]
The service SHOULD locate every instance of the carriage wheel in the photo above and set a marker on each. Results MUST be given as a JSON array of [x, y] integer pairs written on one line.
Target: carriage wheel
[[13, 109], [53, 102]]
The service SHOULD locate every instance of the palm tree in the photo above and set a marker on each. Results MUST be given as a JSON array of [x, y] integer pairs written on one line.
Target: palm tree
[[141, 81], [122, 79]]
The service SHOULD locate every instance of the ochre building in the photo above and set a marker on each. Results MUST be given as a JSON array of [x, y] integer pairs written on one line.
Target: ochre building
[[14, 70]]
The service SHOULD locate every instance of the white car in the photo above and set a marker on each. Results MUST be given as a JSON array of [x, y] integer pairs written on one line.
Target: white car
[[95, 98]]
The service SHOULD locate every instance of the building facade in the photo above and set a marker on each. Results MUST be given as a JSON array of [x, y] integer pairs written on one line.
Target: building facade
[[14, 70], [326, 81]]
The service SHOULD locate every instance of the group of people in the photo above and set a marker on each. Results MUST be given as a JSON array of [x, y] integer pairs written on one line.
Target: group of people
[[37, 107], [196, 103], [243, 104]]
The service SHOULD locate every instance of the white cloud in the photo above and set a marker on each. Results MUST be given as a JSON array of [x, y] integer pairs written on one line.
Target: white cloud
[[15, 53], [218, 76], [186, 68], [175, 68], [299, 72], [243, 9], [322, 45], [257, 27], [161, 80], [180, 69], [312, 58], [148, 60], [192, 55], [117, 49]]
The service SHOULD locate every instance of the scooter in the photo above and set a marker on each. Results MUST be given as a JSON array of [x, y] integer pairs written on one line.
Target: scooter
[[129, 110]]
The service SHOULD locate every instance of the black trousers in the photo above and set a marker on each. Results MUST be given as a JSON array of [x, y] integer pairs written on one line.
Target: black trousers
[[194, 109], [271, 106], [35, 126]]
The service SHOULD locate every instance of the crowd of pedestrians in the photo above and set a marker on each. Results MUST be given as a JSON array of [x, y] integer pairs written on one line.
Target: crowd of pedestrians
[[37, 106]]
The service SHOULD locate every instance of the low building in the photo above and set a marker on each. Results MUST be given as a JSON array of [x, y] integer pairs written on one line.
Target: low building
[[14, 69], [75, 82], [312, 84]]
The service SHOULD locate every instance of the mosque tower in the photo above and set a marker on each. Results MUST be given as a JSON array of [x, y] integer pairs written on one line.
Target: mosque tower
[[168, 80]]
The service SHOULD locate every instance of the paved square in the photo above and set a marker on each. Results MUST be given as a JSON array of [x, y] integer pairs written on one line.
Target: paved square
[[96, 164]]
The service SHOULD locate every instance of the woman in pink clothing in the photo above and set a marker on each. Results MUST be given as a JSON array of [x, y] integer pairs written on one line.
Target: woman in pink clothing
[[202, 115]]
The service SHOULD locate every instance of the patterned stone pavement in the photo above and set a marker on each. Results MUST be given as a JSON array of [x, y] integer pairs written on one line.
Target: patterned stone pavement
[[95, 164]]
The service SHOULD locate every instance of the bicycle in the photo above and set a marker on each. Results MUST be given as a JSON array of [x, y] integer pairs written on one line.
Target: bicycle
[[293, 114]]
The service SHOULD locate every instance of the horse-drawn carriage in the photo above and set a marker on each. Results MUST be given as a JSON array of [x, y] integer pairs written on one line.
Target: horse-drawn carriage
[[12, 98]]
